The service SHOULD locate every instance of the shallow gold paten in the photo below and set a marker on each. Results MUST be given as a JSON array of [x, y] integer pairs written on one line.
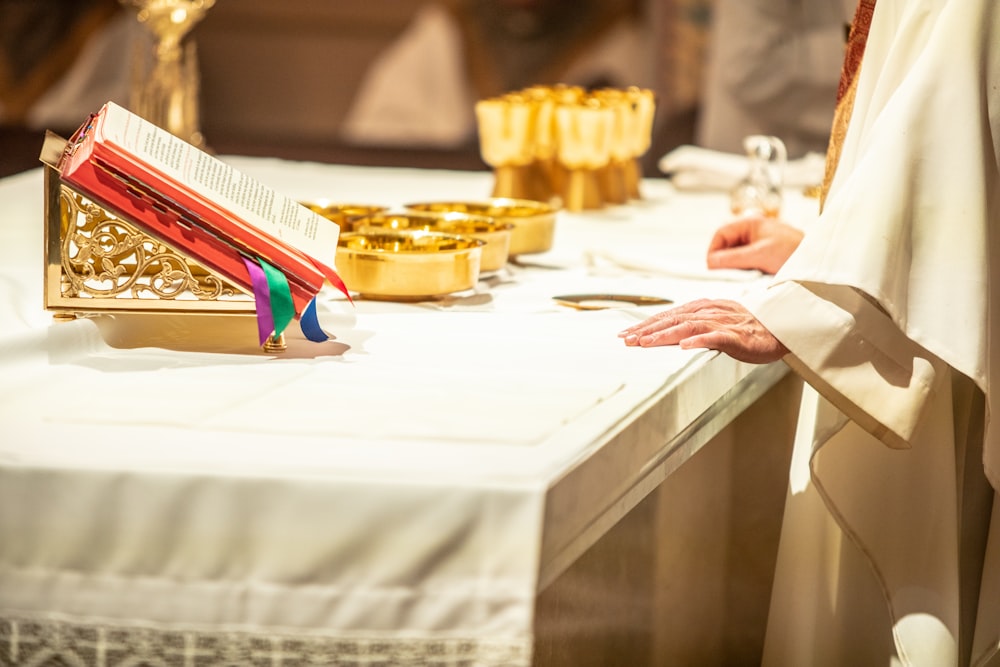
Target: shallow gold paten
[[408, 265], [534, 221], [495, 233], [604, 301]]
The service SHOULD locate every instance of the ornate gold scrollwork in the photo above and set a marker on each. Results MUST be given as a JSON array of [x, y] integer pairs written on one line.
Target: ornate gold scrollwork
[[105, 257]]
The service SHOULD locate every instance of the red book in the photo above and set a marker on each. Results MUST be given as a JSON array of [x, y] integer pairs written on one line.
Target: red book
[[197, 203]]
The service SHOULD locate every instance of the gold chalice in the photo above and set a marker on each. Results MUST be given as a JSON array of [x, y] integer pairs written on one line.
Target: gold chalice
[[612, 177], [506, 144], [639, 134], [585, 133], [165, 79]]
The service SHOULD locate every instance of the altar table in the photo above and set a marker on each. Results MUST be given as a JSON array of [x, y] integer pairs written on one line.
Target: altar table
[[402, 494]]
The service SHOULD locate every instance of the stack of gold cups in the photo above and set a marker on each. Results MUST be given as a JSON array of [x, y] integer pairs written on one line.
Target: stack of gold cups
[[564, 143]]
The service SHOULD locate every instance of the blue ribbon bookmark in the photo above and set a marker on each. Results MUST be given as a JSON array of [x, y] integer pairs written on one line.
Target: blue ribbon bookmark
[[309, 323]]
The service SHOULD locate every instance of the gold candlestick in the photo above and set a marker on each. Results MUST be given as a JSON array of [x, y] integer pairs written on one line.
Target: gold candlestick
[[166, 82]]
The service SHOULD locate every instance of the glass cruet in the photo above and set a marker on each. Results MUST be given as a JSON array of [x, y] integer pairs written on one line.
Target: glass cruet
[[760, 190]]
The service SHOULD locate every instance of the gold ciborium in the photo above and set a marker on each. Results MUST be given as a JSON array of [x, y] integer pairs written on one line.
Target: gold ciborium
[[165, 78]]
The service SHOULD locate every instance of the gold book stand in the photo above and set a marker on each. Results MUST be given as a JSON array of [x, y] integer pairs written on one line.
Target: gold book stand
[[97, 262]]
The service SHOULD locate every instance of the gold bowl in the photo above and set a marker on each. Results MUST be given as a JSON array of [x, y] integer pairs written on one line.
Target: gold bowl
[[407, 265], [494, 233], [534, 221], [342, 212]]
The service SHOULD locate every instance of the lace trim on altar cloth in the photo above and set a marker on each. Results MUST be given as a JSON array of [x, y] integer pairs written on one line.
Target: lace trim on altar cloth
[[62, 643]]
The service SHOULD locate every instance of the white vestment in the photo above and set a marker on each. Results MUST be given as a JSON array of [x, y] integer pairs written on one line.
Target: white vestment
[[890, 310]]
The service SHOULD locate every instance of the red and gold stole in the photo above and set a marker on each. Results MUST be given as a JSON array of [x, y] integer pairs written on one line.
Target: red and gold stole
[[854, 53]]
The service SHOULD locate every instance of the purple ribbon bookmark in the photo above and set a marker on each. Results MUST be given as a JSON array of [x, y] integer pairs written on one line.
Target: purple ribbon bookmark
[[262, 297]]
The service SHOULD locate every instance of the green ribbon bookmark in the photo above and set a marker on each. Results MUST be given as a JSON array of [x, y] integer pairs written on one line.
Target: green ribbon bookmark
[[282, 307]]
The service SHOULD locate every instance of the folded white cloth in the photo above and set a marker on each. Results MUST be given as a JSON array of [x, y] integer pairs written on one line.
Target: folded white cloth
[[695, 168]]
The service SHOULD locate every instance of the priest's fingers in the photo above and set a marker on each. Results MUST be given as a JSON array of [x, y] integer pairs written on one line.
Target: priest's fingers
[[753, 242], [666, 333], [721, 325], [671, 326], [735, 233], [750, 256], [667, 318]]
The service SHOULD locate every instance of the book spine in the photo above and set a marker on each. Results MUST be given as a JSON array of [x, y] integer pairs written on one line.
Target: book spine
[[292, 262], [246, 212]]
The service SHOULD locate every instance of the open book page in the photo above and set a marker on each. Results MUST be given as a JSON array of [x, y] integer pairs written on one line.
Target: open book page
[[218, 183]]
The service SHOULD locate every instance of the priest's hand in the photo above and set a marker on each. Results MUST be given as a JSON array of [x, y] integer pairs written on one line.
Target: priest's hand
[[715, 324], [753, 242]]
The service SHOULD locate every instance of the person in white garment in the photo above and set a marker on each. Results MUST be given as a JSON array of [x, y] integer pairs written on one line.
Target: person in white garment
[[422, 90], [888, 308], [772, 69]]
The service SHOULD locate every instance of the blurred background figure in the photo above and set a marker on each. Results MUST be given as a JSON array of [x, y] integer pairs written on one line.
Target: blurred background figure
[[353, 81], [773, 68], [422, 90], [59, 61]]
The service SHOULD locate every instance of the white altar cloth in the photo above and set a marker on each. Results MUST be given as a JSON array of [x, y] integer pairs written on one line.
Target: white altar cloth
[[401, 493]]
